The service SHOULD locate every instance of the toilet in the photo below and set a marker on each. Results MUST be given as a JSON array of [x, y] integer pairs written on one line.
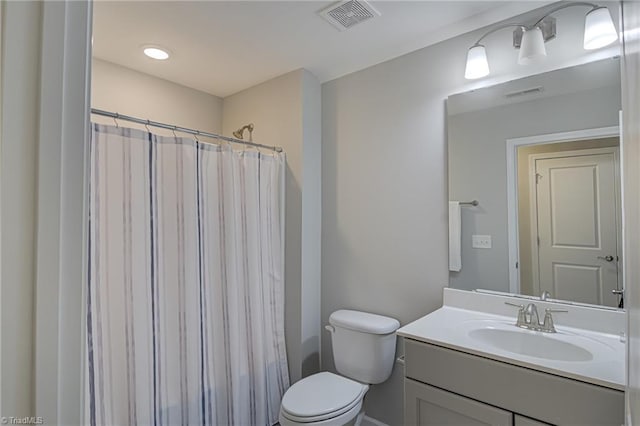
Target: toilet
[[364, 347]]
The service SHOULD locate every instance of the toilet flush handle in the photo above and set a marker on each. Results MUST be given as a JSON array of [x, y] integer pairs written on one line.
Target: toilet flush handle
[[329, 328]]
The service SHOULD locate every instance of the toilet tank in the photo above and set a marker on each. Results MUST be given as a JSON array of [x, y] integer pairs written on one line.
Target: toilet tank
[[364, 345]]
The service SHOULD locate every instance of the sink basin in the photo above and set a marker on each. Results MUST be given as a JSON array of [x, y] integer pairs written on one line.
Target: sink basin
[[584, 354], [533, 344]]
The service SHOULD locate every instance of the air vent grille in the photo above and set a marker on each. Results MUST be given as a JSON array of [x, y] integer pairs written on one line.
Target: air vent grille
[[345, 14], [524, 92]]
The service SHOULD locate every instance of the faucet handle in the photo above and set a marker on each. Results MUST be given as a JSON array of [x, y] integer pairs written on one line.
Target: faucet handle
[[554, 311], [521, 321], [548, 325], [514, 304]]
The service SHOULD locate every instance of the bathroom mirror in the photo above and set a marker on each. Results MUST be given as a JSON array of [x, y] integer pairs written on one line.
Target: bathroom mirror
[[541, 156]]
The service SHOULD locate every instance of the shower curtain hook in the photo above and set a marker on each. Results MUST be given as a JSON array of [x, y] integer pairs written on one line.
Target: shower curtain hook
[[174, 132], [146, 125], [252, 146], [196, 135], [115, 120], [223, 142]]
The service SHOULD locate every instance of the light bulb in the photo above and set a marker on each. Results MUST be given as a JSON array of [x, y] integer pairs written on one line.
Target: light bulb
[[477, 64], [532, 46], [155, 52], [599, 30]]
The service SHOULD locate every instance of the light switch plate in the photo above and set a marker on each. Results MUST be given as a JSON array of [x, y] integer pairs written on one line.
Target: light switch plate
[[481, 241]]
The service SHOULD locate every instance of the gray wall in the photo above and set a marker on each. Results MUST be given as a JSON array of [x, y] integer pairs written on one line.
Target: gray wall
[[384, 223], [477, 169], [384, 220], [311, 222], [119, 89], [384, 189]]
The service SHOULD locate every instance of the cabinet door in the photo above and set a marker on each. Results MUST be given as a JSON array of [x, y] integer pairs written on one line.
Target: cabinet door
[[547, 397], [426, 405], [526, 421]]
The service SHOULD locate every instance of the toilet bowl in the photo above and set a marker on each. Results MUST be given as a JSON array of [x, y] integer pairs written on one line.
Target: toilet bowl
[[364, 351], [324, 399]]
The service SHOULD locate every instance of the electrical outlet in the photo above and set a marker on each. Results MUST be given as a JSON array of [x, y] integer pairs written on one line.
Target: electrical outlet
[[481, 241]]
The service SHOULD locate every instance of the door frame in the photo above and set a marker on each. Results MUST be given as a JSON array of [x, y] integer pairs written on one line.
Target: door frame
[[512, 185], [533, 203], [62, 216], [1, 68]]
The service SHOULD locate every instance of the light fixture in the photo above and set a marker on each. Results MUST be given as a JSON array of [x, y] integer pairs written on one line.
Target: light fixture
[[532, 46], [156, 52], [477, 64], [599, 31]]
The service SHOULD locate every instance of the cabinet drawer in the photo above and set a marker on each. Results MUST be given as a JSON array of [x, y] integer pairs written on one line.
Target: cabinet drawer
[[550, 398], [430, 406]]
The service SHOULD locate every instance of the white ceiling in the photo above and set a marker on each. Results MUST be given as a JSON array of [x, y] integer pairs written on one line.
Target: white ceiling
[[222, 47]]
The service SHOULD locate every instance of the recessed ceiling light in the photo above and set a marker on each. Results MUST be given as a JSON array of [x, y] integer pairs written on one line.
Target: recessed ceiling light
[[156, 52]]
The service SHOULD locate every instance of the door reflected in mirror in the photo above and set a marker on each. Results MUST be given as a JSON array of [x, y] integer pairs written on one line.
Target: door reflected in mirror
[[569, 220], [542, 156]]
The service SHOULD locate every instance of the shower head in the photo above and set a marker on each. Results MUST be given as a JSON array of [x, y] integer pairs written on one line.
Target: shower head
[[240, 132]]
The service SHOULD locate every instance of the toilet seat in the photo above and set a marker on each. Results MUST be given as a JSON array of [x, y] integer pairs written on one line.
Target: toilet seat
[[320, 397]]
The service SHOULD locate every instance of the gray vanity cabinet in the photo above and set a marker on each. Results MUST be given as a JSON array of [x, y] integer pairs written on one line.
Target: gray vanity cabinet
[[445, 386], [429, 406]]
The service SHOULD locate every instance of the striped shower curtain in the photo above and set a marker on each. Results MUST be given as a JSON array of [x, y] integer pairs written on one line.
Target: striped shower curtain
[[186, 297]]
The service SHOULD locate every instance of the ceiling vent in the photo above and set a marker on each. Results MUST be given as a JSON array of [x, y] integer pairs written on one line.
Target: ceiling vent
[[345, 14], [524, 92]]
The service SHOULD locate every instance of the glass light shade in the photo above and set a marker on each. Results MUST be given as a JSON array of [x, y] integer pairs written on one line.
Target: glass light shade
[[532, 46], [477, 65], [156, 53], [599, 30]]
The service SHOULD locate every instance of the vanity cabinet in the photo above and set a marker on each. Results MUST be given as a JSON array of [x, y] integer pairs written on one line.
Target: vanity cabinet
[[445, 386], [429, 406]]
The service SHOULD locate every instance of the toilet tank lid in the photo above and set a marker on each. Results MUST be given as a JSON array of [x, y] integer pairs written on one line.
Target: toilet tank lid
[[364, 322]]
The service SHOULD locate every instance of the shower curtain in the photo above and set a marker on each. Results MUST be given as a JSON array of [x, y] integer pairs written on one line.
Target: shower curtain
[[186, 299]]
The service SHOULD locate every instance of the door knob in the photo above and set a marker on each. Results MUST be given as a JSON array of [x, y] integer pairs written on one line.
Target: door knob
[[618, 292], [607, 258]]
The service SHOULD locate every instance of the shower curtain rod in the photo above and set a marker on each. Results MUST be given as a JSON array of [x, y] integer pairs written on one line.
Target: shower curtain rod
[[117, 116]]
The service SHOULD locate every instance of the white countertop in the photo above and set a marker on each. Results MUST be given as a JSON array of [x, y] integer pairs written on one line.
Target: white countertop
[[450, 327]]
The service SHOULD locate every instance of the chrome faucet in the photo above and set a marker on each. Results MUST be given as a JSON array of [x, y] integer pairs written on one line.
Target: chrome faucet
[[531, 315], [528, 318]]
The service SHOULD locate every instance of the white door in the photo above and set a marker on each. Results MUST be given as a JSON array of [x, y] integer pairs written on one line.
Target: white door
[[577, 230]]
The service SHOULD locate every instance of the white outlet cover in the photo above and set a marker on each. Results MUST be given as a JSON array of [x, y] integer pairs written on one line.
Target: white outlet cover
[[481, 241]]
